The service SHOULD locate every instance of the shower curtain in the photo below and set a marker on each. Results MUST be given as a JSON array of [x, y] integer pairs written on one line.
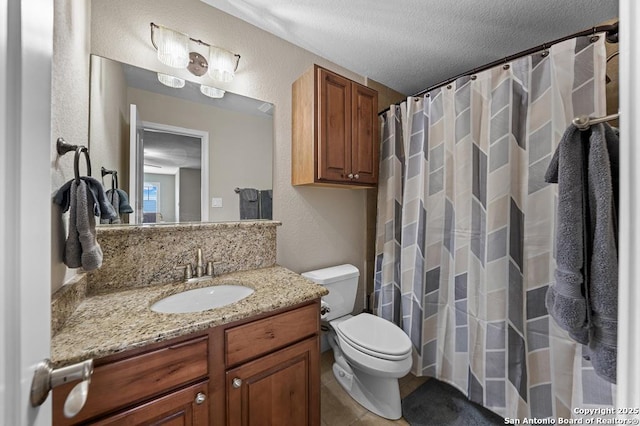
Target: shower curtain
[[465, 231]]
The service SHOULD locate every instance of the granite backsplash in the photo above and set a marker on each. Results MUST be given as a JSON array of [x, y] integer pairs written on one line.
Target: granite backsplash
[[139, 256]]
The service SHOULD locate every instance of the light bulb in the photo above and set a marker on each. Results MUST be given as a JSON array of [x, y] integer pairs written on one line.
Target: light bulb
[[211, 92], [171, 81]]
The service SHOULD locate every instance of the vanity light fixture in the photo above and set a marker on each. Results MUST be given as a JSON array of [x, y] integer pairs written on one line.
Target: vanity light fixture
[[173, 50], [211, 92], [172, 47], [171, 81]]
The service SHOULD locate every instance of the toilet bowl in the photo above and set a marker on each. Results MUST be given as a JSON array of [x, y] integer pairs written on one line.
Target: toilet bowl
[[370, 353]]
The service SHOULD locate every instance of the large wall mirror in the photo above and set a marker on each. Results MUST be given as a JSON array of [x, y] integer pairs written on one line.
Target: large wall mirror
[[179, 155]]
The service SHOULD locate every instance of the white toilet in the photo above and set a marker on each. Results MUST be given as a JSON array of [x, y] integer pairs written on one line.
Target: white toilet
[[370, 353]]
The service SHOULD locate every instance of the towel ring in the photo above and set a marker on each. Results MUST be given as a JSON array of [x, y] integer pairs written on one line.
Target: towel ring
[[114, 178], [76, 161]]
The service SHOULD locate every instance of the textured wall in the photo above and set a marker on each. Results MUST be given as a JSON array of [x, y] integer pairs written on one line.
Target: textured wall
[[320, 226], [69, 109]]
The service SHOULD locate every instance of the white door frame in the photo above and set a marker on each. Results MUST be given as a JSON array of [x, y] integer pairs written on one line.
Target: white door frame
[[628, 380], [204, 160], [26, 49]]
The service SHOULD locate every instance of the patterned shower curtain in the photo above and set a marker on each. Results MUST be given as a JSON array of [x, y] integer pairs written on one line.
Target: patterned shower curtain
[[465, 231]]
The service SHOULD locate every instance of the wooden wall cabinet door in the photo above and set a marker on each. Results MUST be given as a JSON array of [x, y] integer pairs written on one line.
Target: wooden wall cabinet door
[[364, 134], [277, 389], [335, 131]]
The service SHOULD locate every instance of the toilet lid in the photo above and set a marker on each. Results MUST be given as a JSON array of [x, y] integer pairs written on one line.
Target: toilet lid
[[375, 336]]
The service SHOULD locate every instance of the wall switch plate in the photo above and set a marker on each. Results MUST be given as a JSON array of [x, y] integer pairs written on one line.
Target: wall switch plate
[[216, 202]]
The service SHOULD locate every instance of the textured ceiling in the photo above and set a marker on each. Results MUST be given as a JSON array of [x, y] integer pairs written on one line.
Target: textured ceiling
[[412, 44]]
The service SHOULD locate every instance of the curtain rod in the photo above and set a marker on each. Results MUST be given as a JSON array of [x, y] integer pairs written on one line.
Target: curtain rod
[[612, 37]]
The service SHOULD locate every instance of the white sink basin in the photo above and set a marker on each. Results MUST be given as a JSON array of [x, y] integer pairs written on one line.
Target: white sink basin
[[201, 299]]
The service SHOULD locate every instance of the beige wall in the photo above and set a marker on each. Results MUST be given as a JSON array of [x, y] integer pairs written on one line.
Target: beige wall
[[109, 120], [189, 199], [321, 226], [233, 150], [69, 110]]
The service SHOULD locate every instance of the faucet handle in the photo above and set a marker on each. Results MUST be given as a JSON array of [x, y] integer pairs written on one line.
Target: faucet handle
[[211, 266], [188, 270]]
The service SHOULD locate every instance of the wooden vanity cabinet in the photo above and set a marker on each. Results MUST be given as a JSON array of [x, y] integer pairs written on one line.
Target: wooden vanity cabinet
[[334, 131], [184, 407], [165, 373], [191, 380], [274, 388]]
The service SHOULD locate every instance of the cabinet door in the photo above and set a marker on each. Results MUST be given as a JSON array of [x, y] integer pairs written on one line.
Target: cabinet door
[[278, 389], [364, 134], [187, 407], [334, 126]]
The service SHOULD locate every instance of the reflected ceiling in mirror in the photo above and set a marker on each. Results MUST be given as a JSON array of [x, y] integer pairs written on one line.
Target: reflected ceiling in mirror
[[199, 151]]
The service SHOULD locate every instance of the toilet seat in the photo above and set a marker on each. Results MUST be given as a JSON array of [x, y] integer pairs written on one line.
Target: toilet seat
[[374, 336]]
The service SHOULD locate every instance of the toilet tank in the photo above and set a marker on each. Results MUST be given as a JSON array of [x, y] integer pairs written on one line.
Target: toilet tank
[[342, 283]]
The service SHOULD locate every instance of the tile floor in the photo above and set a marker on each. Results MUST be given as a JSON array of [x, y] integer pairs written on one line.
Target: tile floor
[[337, 407]]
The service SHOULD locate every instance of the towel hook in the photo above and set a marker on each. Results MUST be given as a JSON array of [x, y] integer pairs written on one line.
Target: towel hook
[[76, 165], [62, 146], [114, 176]]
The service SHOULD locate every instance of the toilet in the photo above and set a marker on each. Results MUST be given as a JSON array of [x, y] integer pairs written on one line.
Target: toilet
[[370, 353]]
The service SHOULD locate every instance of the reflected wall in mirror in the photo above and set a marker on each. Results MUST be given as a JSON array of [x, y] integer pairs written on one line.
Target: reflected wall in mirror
[[180, 155]]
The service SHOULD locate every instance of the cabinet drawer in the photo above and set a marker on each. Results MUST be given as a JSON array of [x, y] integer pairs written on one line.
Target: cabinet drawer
[[179, 407], [134, 379], [259, 337]]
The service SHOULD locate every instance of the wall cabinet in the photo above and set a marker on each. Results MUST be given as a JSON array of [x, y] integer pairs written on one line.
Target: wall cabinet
[[334, 131], [265, 370]]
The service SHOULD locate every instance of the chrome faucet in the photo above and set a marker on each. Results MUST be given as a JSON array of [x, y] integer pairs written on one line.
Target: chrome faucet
[[199, 265], [200, 269]]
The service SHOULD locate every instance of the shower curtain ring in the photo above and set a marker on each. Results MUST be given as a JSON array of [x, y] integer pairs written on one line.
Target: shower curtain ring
[[506, 66], [545, 51], [594, 37]]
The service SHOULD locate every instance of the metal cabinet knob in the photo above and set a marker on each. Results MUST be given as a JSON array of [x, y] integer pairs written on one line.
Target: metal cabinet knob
[[356, 176], [236, 383], [200, 398], [350, 175]]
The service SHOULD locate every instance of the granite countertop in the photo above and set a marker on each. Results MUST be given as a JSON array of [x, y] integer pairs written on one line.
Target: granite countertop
[[110, 323]]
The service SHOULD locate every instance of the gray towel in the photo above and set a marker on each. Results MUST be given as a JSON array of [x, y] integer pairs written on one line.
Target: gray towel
[[101, 205], [249, 204], [584, 299], [266, 204], [113, 196], [81, 247], [125, 207]]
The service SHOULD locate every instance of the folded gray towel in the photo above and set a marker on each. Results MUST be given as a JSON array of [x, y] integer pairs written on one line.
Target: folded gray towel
[[266, 204], [101, 205], [72, 256], [249, 205], [584, 299], [125, 207], [566, 301], [114, 198], [81, 247]]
